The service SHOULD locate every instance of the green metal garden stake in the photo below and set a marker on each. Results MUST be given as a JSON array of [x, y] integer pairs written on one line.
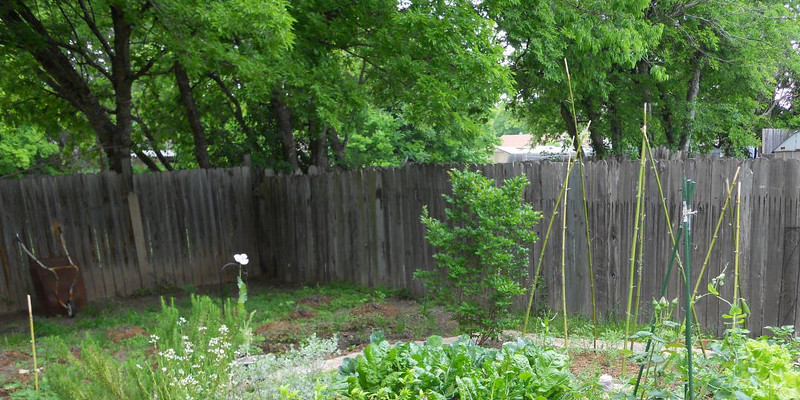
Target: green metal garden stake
[[688, 188], [672, 259]]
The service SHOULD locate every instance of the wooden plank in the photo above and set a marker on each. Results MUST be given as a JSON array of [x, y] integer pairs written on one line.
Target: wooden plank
[[756, 274], [266, 225], [790, 262], [409, 265], [319, 228], [396, 237], [337, 227], [250, 218], [168, 244], [305, 236], [11, 257], [148, 274], [381, 225], [773, 251]]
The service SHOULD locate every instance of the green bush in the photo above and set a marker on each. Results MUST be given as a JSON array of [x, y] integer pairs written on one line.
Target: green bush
[[482, 251]]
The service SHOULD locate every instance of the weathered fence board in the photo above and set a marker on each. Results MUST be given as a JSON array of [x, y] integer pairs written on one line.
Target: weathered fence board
[[363, 226], [191, 222], [371, 231]]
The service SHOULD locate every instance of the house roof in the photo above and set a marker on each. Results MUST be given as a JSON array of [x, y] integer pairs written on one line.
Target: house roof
[[790, 144], [519, 141]]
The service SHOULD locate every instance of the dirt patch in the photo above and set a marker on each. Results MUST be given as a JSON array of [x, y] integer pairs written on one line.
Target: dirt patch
[[385, 310], [279, 335], [11, 362], [589, 363], [302, 314], [12, 357], [315, 301], [119, 334]]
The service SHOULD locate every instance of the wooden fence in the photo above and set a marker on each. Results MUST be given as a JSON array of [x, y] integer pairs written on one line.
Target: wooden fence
[[363, 226], [174, 229]]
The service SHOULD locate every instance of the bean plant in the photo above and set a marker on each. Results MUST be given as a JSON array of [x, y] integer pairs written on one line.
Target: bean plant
[[482, 248]]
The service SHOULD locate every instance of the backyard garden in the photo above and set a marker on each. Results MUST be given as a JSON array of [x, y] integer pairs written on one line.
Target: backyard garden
[[256, 340], [342, 341]]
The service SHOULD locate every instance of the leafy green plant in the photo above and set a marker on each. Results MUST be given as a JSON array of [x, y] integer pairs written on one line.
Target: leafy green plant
[[482, 251], [744, 368], [461, 370]]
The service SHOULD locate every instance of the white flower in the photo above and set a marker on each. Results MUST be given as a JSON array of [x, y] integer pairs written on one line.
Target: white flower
[[241, 258], [181, 321], [605, 382]]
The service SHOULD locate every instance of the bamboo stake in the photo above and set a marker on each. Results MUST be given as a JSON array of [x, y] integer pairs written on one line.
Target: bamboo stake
[[640, 263], [33, 348], [736, 252], [640, 238], [672, 238], [585, 212], [564, 258], [544, 245], [688, 186], [639, 198], [716, 233], [708, 253]]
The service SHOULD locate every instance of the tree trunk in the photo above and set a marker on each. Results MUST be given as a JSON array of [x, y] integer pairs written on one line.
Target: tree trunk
[[285, 131], [59, 73], [572, 130], [691, 104], [643, 72], [198, 130], [338, 146], [596, 137], [615, 124], [123, 82], [154, 145], [319, 145], [151, 165], [666, 120]]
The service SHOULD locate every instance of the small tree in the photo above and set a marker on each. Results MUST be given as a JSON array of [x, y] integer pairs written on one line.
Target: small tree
[[482, 251]]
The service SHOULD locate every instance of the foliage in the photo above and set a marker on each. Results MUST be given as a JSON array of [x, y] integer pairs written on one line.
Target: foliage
[[460, 370], [290, 82], [482, 251], [751, 367], [297, 374], [22, 147], [190, 358], [623, 54]]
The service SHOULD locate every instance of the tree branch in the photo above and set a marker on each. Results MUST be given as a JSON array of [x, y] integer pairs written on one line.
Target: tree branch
[[145, 69], [237, 107], [90, 21]]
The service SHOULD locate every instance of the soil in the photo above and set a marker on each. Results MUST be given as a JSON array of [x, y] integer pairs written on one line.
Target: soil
[[119, 334]]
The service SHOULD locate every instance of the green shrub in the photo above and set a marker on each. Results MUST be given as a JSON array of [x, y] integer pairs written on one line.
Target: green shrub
[[482, 251]]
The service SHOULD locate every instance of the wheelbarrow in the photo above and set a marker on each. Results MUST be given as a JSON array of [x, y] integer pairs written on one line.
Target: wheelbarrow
[[56, 280]]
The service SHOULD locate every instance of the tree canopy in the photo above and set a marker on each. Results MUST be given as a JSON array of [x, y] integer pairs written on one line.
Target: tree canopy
[[296, 83], [713, 71]]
